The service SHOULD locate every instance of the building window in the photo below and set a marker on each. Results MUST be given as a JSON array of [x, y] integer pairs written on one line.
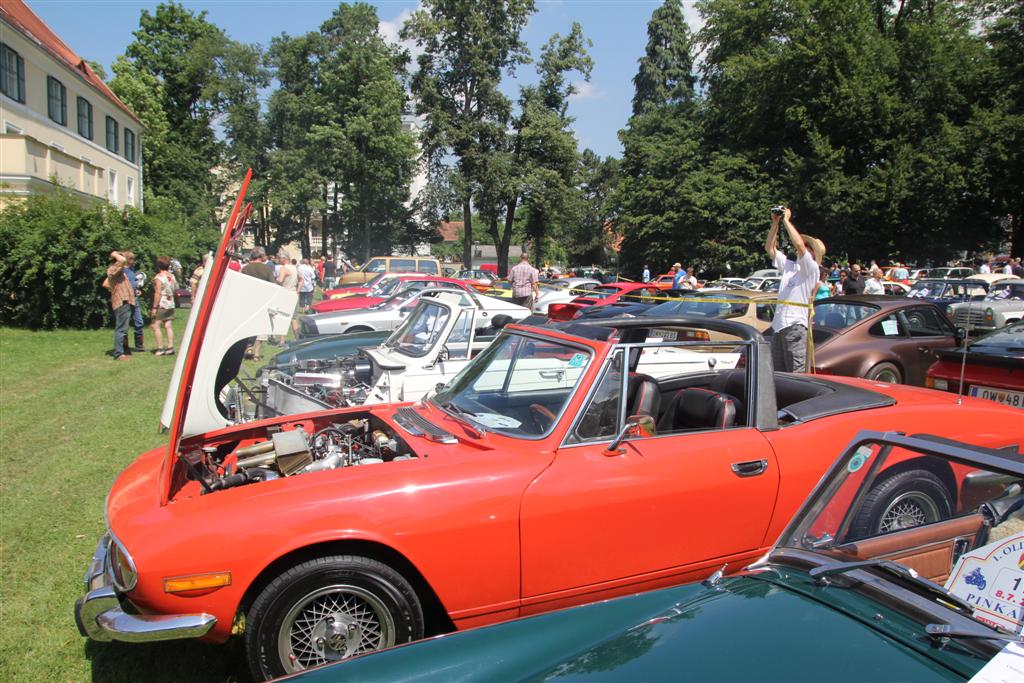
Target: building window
[[112, 135], [129, 145], [12, 74], [56, 100], [131, 190], [84, 118], [112, 185]]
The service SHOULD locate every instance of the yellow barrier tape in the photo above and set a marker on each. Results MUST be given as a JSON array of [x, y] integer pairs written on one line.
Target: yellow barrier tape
[[644, 298]]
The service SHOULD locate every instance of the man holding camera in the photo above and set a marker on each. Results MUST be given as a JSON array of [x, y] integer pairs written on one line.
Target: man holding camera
[[799, 280]]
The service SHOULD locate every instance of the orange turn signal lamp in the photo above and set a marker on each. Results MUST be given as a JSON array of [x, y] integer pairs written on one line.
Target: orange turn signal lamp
[[197, 582]]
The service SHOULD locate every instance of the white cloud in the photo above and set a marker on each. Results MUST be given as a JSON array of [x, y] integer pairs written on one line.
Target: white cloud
[[389, 30], [692, 16], [586, 91]]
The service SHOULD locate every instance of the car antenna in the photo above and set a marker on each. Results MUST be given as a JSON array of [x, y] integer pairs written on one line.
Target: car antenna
[[963, 354]]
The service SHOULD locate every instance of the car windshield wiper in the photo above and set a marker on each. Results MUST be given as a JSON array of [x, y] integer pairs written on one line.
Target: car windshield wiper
[[458, 410], [979, 631], [821, 574], [455, 408]]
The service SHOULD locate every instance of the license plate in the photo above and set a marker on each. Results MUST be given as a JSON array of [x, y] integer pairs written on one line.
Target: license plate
[[1004, 396]]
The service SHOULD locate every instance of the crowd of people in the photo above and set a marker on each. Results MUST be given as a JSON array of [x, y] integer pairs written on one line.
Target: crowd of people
[[125, 285]]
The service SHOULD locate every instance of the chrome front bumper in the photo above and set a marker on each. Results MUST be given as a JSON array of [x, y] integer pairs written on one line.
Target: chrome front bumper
[[99, 614]]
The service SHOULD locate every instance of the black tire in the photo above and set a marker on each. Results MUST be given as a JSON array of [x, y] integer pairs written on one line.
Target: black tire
[[885, 372], [901, 501], [380, 609]]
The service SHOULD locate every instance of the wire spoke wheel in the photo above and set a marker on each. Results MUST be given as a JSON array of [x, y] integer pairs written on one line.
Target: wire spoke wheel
[[908, 510], [332, 623]]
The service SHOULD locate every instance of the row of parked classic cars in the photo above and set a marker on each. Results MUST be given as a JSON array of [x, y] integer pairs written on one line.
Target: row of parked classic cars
[[601, 464]]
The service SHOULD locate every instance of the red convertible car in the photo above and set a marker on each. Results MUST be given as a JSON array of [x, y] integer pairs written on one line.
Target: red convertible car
[[567, 463], [605, 294], [389, 285]]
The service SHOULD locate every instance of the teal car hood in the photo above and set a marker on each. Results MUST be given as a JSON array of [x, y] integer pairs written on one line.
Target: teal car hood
[[326, 347], [746, 628]]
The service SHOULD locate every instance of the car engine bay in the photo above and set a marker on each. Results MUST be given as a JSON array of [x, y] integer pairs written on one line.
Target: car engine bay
[[360, 441]]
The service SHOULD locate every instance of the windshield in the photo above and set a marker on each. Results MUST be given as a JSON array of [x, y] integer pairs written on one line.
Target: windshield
[[421, 331], [945, 522], [602, 292], [837, 315], [702, 309], [397, 300], [388, 285], [1011, 336], [1006, 292], [926, 289], [518, 386]]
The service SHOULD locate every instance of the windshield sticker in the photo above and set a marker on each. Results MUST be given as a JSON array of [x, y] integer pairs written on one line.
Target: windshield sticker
[[496, 421], [890, 328], [859, 458], [991, 579], [578, 360]]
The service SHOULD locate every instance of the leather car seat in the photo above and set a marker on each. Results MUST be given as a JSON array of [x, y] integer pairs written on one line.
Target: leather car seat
[[696, 408], [643, 397]]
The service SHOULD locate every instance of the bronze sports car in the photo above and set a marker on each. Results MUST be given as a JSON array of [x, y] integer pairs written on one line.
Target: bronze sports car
[[889, 339]]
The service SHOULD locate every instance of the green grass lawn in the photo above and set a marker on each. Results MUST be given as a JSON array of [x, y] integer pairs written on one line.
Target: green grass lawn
[[70, 420]]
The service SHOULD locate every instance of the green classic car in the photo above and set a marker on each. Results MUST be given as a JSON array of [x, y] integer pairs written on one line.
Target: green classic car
[[824, 604]]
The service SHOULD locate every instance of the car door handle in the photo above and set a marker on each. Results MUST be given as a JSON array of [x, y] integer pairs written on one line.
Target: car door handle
[[751, 468], [924, 349]]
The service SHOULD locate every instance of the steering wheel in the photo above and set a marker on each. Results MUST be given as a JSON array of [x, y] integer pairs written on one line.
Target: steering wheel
[[542, 417]]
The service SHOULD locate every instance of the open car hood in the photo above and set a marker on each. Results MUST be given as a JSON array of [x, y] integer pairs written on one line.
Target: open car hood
[[228, 309]]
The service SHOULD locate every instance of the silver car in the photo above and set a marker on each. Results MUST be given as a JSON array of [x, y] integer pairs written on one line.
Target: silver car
[[1004, 304], [561, 291], [390, 313]]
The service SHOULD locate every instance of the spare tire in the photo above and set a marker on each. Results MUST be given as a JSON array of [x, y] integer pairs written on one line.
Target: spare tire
[[901, 501]]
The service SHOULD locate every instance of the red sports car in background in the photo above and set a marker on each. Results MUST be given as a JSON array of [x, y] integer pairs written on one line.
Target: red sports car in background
[[993, 367], [632, 292], [392, 284]]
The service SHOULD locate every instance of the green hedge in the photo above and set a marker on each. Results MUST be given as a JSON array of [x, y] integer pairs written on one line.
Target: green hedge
[[54, 254]]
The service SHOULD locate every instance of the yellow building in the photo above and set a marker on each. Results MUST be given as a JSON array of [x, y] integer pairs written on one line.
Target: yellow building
[[59, 120]]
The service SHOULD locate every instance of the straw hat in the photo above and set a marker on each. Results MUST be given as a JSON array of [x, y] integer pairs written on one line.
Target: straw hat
[[816, 246]]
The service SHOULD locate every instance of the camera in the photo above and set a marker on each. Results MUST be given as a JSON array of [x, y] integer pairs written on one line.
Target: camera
[[777, 210]]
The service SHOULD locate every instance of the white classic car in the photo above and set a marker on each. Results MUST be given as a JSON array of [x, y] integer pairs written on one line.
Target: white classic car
[[439, 338], [561, 291], [389, 314], [1004, 304]]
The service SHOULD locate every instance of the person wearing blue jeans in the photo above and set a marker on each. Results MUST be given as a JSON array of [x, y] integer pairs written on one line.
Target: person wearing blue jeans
[[122, 298], [136, 313]]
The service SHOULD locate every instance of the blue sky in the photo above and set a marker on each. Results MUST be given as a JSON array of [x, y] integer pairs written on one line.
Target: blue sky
[[101, 29]]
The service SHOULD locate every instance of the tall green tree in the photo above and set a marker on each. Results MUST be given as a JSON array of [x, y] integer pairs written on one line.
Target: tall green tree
[[372, 156], [863, 112], [665, 75], [467, 45], [175, 73], [533, 165]]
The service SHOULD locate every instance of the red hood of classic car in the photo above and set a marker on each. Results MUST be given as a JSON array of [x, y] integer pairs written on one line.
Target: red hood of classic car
[[345, 304], [195, 332]]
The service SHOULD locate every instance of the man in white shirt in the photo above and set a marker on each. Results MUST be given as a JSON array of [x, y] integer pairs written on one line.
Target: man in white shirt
[[307, 283], [1008, 268], [799, 280], [984, 268]]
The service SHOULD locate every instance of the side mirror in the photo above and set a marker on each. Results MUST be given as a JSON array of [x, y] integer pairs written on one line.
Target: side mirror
[[637, 426], [441, 357], [960, 335]]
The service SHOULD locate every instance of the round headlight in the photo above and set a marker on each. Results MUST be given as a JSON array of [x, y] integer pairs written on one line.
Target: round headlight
[[122, 567], [989, 314]]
